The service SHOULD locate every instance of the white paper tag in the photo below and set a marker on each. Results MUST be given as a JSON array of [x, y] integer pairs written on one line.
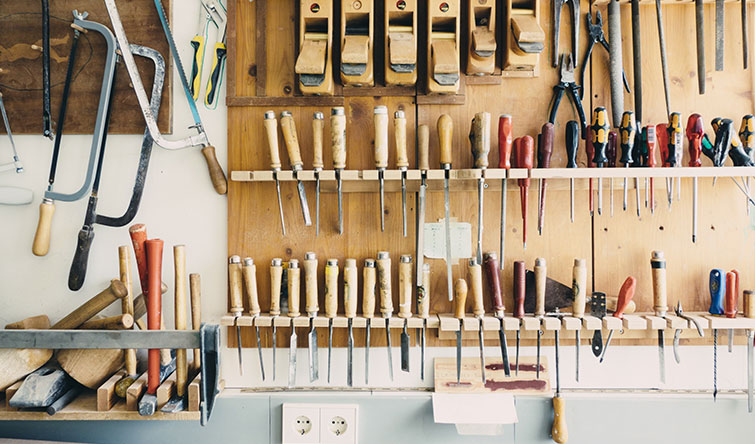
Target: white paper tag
[[435, 240]]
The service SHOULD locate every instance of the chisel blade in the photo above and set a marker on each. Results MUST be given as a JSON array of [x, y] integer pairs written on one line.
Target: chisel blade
[[423, 338], [576, 353], [537, 366], [314, 367], [677, 358], [367, 352], [458, 356], [405, 349], [317, 203], [731, 339], [518, 336], [292, 345], [480, 194], [280, 203], [449, 272], [504, 350], [482, 352], [303, 203], [403, 201], [259, 351], [388, 347], [661, 357], [330, 345], [339, 185], [350, 358], [275, 329], [382, 201], [238, 343]]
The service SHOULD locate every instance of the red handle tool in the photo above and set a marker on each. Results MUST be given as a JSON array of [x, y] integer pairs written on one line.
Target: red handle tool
[[525, 157], [590, 152], [154, 249], [626, 293], [732, 294], [504, 142], [520, 287]]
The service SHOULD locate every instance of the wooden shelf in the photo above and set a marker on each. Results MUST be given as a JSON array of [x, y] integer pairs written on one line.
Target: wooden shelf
[[665, 2]]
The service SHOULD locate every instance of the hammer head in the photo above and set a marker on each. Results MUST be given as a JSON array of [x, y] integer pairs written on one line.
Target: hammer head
[[147, 405], [42, 388]]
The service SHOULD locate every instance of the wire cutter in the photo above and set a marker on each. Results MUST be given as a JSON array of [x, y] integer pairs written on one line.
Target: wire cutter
[[595, 31], [567, 84]]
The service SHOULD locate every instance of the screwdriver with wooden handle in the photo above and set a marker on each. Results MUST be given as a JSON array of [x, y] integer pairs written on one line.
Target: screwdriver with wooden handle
[[386, 300], [405, 305], [350, 288], [368, 310], [338, 147], [380, 118], [628, 132], [600, 129], [237, 306], [494, 282], [544, 152], [504, 162], [445, 138], [579, 290], [479, 138], [695, 133], [271, 131], [276, 282], [422, 269], [717, 287], [423, 312], [478, 309], [571, 136], [626, 293], [249, 273], [524, 153], [520, 287], [611, 156], [312, 307], [540, 275], [460, 299], [288, 127], [331, 302], [318, 125], [402, 159], [293, 279], [660, 306]]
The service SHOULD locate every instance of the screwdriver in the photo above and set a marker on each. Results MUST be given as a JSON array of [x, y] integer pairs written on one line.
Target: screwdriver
[[460, 299], [544, 152], [331, 302], [475, 279], [368, 310], [590, 153], [350, 287], [746, 135], [661, 134], [312, 307], [402, 159], [717, 287], [675, 146], [276, 280], [540, 275], [338, 146], [600, 129], [504, 162], [520, 274], [648, 136], [658, 266], [676, 118], [386, 300], [445, 137], [318, 125], [731, 302], [571, 136], [611, 156], [405, 305], [628, 130], [288, 126], [695, 134], [494, 282], [293, 278], [271, 131], [479, 138], [524, 153], [579, 290], [381, 154], [423, 311], [626, 293], [237, 306]]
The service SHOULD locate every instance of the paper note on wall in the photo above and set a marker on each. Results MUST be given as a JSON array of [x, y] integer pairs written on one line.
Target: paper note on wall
[[435, 240]]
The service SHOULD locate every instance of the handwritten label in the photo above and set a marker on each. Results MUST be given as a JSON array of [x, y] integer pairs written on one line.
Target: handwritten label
[[435, 240]]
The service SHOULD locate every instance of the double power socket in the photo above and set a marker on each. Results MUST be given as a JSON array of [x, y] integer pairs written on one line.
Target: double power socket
[[320, 423]]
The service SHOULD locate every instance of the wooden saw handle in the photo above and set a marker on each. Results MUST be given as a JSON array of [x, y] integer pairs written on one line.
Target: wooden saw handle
[[384, 283], [217, 176], [310, 284], [399, 130], [368, 289], [293, 277], [380, 118], [276, 279], [331, 288], [445, 139], [405, 287], [350, 288], [579, 287], [41, 244]]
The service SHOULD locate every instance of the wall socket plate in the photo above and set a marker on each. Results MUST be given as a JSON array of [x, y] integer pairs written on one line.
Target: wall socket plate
[[339, 424], [301, 424], [320, 423]]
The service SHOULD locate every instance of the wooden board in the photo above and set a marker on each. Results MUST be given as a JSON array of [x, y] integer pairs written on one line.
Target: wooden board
[[495, 378], [21, 83]]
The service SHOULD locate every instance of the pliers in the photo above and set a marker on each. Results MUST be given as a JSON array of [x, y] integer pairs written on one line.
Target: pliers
[[557, 4], [679, 312], [567, 84], [595, 31]]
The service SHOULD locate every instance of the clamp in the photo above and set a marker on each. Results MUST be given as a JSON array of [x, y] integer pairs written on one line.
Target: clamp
[[567, 84], [595, 31]]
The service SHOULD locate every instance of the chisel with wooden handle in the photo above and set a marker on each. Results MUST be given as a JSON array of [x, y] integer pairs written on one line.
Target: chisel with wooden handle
[[402, 159], [338, 146], [460, 299], [478, 309], [423, 312], [293, 279], [318, 125], [520, 287], [386, 300], [541, 272], [504, 162], [405, 305], [445, 138], [369, 276], [312, 307], [479, 138], [237, 306], [494, 282], [350, 288], [626, 293], [579, 290], [331, 302], [288, 127], [422, 269], [276, 282], [660, 306], [380, 118], [271, 131], [249, 274]]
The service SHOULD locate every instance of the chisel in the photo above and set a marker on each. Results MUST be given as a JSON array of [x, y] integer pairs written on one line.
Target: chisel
[[478, 309], [402, 159], [494, 282], [338, 146], [504, 151], [293, 278], [717, 287], [288, 127], [749, 312], [731, 301], [237, 306], [350, 287], [520, 275], [423, 270], [405, 305], [386, 300], [331, 302], [249, 273], [600, 129], [660, 307], [579, 290], [368, 310], [540, 275], [544, 152], [524, 152], [695, 133], [445, 138], [460, 299], [648, 137], [626, 293], [628, 131], [571, 136], [271, 131], [380, 119], [276, 282], [312, 307], [423, 311], [479, 138], [700, 39], [318, 125], [613, 136]]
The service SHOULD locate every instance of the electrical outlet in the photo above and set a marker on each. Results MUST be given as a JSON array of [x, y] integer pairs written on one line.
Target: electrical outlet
[[339, 424], [301, 424]]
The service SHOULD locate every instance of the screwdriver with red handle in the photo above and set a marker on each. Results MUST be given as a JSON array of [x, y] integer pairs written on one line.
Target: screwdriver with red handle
[[544, 152], [524, 153], [504, 150], [626, 293], [661, 135], [695, 133], [648, 137]]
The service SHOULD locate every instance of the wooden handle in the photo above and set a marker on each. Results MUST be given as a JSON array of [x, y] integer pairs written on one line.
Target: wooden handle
[[41, 244], [368, 290], [520, 288], [380, 118], [271, 131], [479, 138], [626, 293], [40, 322], [475, 279], [423, 300], [288, 127], [350, 287], [460, 298], [318, 126], [399, 130], [96, 304], [338, 137], [154, 249], [405, 287], [276, 279], [127, 303], [249, 274], [658, 264], [540, 275], [331, 288], [123, 321], [612, 304], [217, 176], [504, 142], [748, 304], [310, 284], [179, 316], [138, 234], [384, 283], [195, 288], [445, 139], [293, 277], [730, 301], [234, 285], [559, 431], [423, 140], [492, 273], [579, 287]]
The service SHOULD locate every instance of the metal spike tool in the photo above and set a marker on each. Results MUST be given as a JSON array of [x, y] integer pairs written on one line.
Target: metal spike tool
[[579, 289], [504, 150], [445, 138]]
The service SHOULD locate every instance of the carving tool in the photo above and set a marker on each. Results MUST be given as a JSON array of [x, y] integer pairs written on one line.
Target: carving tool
[[731, 302], [600, 129], [613, 137], [749, 312], [386, 300], [276, 282], [717, 287], [700, 40], [331, 302], [504, 151], [579, 290], [628, 131], [664, 63], [423, 311], [271, 131], [338, 146], [679, 312], [318, 125], [288, 127], [524, 152], [559, 431], [368, 310], [660, 306], [520, 277], [479, 138], [350, 287], [494, 282], [402, 159], [475, 279], [649, 137], [695, 133], [720, 35], [598, 310], [405, 305], [544, 152], [380, 119], [293, 279], [423, 270], [540, 275], [626, 293], [310, 293], [249, 273], [445, 137], [460, 299], [571, 136], [615, 60], [237, 306]]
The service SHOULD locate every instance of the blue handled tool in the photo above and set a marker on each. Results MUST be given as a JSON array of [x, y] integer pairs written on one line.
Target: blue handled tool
[[717, 286]]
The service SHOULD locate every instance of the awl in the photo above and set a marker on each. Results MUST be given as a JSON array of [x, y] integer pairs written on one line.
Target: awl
[[422, 269], [504, 151], [544, 152], [237, 306], [579, 290]]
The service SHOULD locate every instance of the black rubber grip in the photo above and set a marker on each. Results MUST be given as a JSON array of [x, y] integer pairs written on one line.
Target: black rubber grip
[[215, 76], [80, 258], [572, 143], [194, 67]]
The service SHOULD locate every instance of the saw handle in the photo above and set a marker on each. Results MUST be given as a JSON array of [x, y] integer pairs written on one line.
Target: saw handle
[[626, 293], [540, 275], [350, 288], [154, 249], [41, 244], [475, 278], [423, 140], [445, 139], [479, 138], [249, 274], [78, 269], [293, 278], [399, 133], [717, 286], [658, 265], [559, 431], [579, 287], [405, 287], [318, 128], [504, 142], [198, 45], [276, 279], [520, 287], [368, 289], [460, 298], [380, 119], [730, 302], [217, 176], [331, 288], [384, 283], [220, 51], [288, 127], [494, 282], [310, 284]]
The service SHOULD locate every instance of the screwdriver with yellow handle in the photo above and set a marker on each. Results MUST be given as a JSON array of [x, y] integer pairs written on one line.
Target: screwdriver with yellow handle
[[600, 129], [198, 43]]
